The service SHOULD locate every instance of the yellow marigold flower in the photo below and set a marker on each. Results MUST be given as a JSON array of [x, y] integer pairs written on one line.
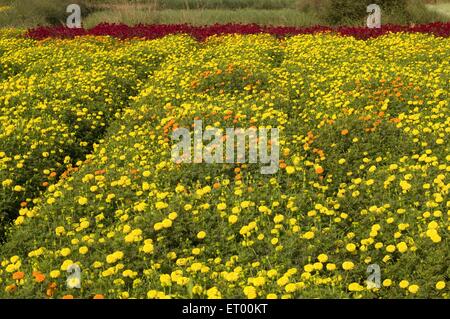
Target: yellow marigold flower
[[278, 219], [82, 201], [259, 281], [405, 186], [403, 284], [235, 210], [331, 266], [7, 182], [436, 238], [146, 173], [355, 287], [440, 285], [213, 293], [289, 288], [233, 219], [290, 170], [129, 273], [318, 266], [272, 273], [348, 265], [197, 290], [201, 235], [308, 235], [282, 281], [165, 280], [148, 248], [65, 252], [413, 289], [84, 224], [161, 205], [18, 188], [158, 226], [19, 220], [323, 258], [60, 230], [245, 204], [221, 206], [402, 247], [167, 223], [390, 248], [145, 186], [308, 268], [196, 267], [250, 292], [66, 264], [232, 276], [140, 207], [112, 258]]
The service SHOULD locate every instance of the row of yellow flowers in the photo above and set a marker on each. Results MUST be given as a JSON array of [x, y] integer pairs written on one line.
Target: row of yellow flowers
[[362, 180]]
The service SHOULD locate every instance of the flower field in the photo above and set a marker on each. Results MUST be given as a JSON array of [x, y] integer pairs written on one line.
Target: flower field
[[87, 178]]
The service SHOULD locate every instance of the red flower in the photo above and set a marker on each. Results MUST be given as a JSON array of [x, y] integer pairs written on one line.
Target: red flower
[[154, 31]]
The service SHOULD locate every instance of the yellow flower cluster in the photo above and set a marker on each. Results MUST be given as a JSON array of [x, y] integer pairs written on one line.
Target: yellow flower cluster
[[363, 173]]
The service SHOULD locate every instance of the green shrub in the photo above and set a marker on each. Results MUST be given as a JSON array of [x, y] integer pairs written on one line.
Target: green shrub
[[45, 11], [348, 11], [204, 4]]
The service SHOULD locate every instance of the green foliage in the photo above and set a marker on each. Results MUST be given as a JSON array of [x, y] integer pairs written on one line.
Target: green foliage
[[393, 11], [206, 4], [344, 11], [133, 16], [44, 11]]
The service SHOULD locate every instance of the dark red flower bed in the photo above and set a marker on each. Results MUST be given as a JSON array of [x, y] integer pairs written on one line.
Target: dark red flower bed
[[160, 30]]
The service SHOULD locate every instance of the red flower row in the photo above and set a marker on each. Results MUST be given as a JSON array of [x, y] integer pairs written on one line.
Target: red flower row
[[202, 32]]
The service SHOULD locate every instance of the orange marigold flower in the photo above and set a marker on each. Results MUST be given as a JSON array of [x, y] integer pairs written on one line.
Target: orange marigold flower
[[99, 296], [18, 275], [50, 292], [344, 132], [67, 297], [52, 285], [38, 276], [100, 172], [319, 170]]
